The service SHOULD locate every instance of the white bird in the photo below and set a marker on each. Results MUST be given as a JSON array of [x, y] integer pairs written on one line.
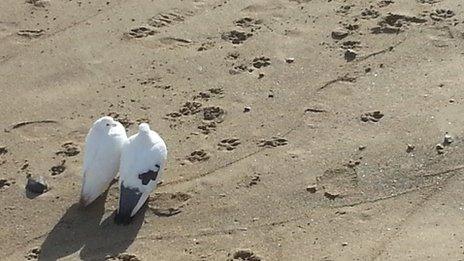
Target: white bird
[[143, 159], [102, 155]]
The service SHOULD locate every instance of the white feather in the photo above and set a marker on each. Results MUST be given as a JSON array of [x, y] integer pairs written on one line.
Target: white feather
[[142, 153], [102, 154]]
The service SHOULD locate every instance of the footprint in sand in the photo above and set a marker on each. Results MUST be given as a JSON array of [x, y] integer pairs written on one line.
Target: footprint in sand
[[58, 169], [141, 32], [169, 18], [229, 144], [369, 14], [213, 113], [190, 108], [236, 37], [338, 183], [207, 127], [168, 204], [123, 119], [260, 62], [198, 156], [249, 23], [441, 14], [68, 149], [244, 254], [273, 142]]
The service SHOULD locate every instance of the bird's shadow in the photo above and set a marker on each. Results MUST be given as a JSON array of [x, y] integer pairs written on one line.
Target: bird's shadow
[[80, 229]]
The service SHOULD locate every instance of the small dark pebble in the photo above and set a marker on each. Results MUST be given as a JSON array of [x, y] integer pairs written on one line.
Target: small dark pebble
[[311, 189], [410, 148], [373, 116], [440, 148], [350, 55], [290, 60], [331, 195], [339, 34]]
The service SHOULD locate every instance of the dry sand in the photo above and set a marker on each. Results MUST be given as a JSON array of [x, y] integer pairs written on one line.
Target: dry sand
[[268, 109]]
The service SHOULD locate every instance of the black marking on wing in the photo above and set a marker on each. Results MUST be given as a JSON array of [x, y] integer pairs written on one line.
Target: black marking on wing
[[129, 197], [149, 175]]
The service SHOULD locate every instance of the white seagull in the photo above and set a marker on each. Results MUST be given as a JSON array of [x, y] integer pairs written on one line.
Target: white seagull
[[143, 159], [102, 155]]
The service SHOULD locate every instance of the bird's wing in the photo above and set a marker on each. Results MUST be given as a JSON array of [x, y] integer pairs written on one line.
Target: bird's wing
[[136, 161], [101, 163], [156, 159], [90, 150]]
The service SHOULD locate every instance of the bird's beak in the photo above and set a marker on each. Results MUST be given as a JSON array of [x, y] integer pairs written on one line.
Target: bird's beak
[[114, 125]]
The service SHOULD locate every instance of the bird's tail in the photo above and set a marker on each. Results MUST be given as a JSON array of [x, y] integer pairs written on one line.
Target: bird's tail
[[128, 199]]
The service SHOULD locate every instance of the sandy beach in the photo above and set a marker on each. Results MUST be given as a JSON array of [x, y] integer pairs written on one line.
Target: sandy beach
[[296, 129]]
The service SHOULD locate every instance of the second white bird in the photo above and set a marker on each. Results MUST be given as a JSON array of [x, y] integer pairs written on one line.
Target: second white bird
[[143, 159]]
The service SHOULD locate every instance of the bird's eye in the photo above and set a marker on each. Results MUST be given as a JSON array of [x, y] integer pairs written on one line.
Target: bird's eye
[[107, 124]]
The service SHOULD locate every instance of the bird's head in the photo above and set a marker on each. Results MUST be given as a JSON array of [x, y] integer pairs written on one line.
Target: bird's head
[[144, 128], [105, 123]]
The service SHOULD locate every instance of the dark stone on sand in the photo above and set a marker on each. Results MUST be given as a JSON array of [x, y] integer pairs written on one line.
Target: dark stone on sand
[[373, 116], [350, 55], [311, 189], [290, 60], [339, 34], [37, 186], [410, 148], [331, 195]]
